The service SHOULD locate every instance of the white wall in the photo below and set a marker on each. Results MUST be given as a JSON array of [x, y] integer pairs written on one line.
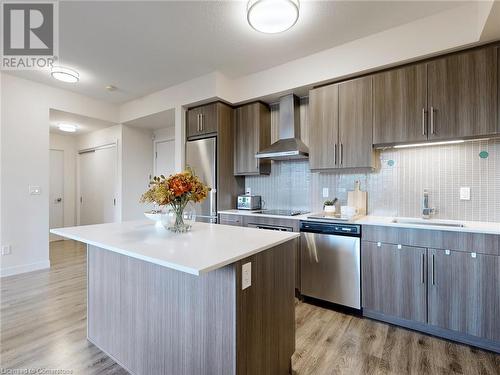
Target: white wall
[[25, 161], [164, 134], [67, 143], [137, 168]]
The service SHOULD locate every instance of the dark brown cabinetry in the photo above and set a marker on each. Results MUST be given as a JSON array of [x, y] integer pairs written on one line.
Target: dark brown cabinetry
[[252, 124], [400, 105], [451, 97], [394, 280], [464, 292], [340, 130], [463, 91], [203, 120]]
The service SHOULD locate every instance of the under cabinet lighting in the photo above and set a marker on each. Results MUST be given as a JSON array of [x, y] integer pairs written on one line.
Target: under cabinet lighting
[[272, 16], [65, 74], [430, 144], [70, 128]]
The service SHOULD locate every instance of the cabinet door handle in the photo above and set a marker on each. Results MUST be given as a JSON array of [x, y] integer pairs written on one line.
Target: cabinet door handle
[[424, 113], [341, 154], [433, 270], [335, 154], [432, 120], [423, 268], [201, 121], [198, 122]]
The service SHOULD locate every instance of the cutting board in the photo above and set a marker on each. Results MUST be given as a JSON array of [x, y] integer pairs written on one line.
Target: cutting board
[[357, 198]]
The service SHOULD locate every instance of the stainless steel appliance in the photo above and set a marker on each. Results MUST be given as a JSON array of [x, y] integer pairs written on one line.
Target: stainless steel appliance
[[249, 202], [289, 145], [201, 155], [330, 262], [271, 227]]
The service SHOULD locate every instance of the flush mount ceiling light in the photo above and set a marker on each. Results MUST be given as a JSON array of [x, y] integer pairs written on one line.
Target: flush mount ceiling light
[[65, 74], [70, 128], [272, 16]]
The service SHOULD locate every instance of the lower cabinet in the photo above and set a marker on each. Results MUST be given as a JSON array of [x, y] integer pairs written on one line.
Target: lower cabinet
[[464, 292], [394, 280], [448, 293]]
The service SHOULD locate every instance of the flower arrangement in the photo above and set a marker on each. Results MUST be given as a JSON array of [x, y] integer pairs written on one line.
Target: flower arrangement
[[176, 191]]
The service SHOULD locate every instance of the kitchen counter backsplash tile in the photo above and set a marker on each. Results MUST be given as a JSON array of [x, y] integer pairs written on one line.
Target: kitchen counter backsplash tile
[[395, 188]]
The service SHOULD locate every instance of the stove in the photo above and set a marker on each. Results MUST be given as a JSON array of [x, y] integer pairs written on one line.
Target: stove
[[282, 212]]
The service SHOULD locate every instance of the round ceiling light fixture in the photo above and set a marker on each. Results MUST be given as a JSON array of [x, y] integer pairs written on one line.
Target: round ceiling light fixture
[[69, 128], [272, 16], [65, 74]]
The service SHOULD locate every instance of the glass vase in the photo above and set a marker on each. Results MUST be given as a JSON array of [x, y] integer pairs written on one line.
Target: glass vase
[[179, 218]]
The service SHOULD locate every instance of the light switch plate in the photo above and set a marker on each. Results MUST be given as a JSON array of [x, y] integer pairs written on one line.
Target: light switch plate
[[35, 190], [246, 275], [6, 249], [465, 193], [326, 193]]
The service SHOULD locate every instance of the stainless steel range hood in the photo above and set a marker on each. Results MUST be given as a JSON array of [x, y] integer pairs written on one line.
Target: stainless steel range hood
[[289, 146]]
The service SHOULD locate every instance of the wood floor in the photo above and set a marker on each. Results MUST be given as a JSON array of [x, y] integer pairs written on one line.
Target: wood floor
[[43, 325]]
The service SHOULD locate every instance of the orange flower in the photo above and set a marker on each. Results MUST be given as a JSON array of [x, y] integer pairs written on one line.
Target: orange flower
[[176, 189]]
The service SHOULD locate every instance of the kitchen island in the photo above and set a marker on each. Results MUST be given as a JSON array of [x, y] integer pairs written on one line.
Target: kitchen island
[[165, 303]]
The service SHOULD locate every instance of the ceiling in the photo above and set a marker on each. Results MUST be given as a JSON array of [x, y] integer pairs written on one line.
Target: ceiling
[[159, 120], [143, 47], [84, 124]]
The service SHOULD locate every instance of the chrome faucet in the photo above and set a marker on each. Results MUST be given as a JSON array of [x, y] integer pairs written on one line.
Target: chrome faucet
[[426, 210]]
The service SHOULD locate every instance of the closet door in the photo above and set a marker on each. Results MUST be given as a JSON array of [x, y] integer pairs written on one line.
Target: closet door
[[98, 186]]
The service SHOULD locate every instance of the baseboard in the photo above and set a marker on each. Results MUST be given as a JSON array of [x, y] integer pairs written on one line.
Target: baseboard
[[463, 338], [16, 270]]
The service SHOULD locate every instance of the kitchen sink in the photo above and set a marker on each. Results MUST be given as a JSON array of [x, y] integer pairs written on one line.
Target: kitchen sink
[[440, 223]]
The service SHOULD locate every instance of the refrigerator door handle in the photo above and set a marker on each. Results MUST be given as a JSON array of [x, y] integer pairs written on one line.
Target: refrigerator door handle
[[213, 211]]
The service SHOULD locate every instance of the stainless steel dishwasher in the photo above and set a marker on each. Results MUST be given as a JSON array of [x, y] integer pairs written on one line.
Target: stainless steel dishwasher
[[330, 262]]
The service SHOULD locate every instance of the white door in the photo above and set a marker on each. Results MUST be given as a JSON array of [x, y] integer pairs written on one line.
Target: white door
[[56, 190], [98, 186], [165, 158]]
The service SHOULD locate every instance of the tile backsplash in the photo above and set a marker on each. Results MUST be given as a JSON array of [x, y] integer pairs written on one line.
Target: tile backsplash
[[395, 187]]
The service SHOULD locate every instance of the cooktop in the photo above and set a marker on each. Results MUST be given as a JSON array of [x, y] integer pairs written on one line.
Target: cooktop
[[282, 212]]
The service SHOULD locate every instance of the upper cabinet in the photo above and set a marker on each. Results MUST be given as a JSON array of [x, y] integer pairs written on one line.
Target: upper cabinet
[[356, 124], [400, 105], [252, 124], [463, 94], [451, 97], [340, 127], [202, 120], [323, 127]]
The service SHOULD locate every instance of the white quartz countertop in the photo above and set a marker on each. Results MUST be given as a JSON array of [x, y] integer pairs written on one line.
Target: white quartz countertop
[[205, 248], [416, 223]]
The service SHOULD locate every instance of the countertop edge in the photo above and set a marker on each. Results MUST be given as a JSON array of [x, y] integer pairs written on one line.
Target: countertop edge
[[384, 221], [174, 266]]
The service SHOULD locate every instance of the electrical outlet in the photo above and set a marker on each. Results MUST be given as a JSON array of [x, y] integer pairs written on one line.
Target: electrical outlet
[[326, 193], [35, 190], [246, 275], [465, 193], [6, 249], [248, 191]]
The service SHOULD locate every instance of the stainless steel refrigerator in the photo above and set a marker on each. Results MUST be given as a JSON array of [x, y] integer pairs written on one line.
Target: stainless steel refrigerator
[[201, 155]]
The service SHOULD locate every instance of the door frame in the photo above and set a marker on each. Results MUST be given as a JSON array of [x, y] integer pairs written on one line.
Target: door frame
[[155, 145], [54, 237], [117, 178]]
